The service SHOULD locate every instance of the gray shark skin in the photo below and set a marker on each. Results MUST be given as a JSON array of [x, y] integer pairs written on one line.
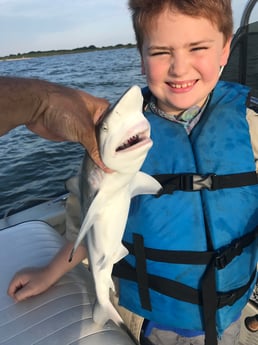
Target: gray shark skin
[[124, 141]]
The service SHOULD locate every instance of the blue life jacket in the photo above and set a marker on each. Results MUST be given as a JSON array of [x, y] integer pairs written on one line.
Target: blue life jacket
[[193, 249]]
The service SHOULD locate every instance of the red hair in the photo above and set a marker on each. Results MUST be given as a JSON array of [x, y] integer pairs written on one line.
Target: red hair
[[218, 12]]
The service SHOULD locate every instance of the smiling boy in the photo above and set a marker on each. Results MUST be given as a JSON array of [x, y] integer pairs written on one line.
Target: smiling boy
[[193, 250], [182, 57]]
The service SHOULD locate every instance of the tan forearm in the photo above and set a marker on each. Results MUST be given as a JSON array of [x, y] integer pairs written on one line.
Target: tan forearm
[[20, 100], [61, 265]]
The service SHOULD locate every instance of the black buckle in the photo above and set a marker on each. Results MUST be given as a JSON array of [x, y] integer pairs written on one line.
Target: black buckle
[[221, 261], [186, 183], [227, 255], [226, 299], [196, 182]]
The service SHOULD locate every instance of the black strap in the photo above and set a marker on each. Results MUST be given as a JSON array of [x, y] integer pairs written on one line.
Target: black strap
[[209, 303], [207, 296], [162, 285], [230, 297], [226, 254], [222, 256], [178, 290], [174, 256], [195, 182], [141, 272]]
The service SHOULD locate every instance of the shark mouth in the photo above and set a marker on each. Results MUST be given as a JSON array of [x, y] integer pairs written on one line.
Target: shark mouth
[[129, 142], [132, 141]]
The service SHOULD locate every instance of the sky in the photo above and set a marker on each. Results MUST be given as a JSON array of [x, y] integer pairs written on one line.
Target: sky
[[32, 25]]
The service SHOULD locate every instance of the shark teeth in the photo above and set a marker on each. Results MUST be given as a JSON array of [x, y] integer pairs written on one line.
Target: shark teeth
[[135, 139]]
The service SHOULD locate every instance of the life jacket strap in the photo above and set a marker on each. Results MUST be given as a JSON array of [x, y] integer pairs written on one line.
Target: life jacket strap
[[181, 291], [141, 272], [190, 182], [207, 296], [222, 256]]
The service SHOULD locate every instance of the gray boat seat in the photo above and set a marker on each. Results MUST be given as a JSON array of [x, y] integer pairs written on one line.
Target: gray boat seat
[[63, 314], [242, 67]]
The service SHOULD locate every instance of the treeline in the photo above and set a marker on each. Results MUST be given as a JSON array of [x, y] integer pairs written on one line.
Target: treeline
[[90, 48]]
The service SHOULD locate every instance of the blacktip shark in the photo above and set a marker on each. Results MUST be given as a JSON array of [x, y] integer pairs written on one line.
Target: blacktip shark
[[124, 141]]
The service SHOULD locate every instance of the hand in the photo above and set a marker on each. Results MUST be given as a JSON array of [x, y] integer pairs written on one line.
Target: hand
[[33, 281], [70, 115], [29, 282], [52, 111]]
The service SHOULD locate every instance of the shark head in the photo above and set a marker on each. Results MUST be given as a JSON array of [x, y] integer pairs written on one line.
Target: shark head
[[124, 133]]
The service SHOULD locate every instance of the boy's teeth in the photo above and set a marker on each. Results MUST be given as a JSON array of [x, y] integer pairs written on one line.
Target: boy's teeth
[[181, 86]]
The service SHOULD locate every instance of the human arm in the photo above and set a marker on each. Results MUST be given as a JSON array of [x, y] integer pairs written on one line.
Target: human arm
[[52, 111], [252, 119], [33, 281]]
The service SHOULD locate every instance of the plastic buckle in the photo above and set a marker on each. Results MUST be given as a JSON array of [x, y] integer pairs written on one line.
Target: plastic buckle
[[228, 254], [226, 299], [221, 261], [204, 182], [186, 183]]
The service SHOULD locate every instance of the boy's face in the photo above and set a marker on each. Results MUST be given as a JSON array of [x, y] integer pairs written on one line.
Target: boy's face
[[181, 57]]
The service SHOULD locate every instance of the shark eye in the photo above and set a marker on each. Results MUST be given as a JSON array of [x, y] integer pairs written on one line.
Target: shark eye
[[104, 126]]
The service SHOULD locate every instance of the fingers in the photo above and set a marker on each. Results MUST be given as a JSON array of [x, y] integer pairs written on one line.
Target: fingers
[[71, 115], [19, 288], [96, 108], [92, 148], [22, 293], [26, 284]]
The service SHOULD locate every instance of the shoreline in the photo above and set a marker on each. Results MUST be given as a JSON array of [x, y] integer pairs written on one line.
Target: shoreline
[[15, 59], [33, 54]]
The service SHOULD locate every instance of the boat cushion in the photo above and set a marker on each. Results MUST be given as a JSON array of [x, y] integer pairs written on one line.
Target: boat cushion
[[63, 314]]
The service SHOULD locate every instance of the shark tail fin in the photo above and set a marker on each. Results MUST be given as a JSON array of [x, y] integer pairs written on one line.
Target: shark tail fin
[[101, 314]]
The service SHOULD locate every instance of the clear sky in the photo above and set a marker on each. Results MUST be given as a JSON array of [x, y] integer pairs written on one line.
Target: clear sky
[[31, 25]]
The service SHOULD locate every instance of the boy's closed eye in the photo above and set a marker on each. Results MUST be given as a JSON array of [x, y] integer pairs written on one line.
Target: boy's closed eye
[[160, 53], [199, 48]]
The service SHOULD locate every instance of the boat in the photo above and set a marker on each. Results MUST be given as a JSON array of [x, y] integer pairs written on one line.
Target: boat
[[31, 237]]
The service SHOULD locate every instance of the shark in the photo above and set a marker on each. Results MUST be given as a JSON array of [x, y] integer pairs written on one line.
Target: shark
[[123, 136]]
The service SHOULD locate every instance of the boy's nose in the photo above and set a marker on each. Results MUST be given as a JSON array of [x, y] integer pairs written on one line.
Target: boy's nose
[[178, 66]]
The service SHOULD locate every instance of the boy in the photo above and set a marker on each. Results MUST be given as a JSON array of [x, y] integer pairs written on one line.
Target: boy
[[184, 275]]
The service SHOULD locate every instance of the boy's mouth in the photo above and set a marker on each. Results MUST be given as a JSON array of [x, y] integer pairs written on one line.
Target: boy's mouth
[[182, 85]]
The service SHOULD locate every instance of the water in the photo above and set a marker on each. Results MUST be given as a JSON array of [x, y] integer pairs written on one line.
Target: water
[[33, 168]]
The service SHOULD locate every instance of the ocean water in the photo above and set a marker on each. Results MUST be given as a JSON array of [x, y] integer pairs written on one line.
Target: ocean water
[[34, 169]]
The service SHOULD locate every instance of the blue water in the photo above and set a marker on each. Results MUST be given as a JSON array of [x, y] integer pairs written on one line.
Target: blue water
[[33, 168]]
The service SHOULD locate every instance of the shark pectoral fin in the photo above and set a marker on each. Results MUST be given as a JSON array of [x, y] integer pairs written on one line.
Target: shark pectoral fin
[[88, 221], [120, 254], [144, 184], [86, 225]]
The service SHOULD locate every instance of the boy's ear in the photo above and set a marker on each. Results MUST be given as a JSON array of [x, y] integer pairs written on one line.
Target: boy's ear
[[225, 52]]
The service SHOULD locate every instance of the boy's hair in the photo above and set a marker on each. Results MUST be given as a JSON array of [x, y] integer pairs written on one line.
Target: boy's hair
[[219, 12]]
